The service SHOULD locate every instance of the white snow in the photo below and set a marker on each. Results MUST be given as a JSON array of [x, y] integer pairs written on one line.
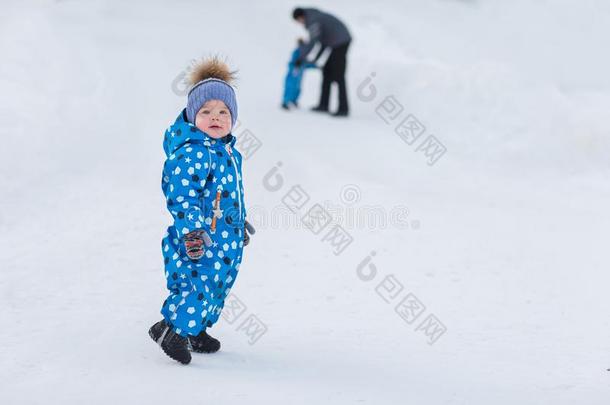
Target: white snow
[[504, 239]]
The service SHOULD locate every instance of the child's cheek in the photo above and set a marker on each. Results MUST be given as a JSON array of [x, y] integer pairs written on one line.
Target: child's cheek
[[201, 124]]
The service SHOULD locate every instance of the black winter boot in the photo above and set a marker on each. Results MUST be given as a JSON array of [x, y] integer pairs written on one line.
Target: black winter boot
[[319, 108], [174, 345], [204, 343]]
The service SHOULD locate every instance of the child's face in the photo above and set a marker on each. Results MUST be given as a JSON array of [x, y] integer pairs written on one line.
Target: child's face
[[214, 118]]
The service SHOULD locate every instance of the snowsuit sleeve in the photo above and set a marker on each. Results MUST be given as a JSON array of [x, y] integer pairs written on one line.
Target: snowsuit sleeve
[[184, 176]]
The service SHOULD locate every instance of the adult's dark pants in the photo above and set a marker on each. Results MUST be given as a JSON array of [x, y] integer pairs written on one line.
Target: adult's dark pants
[[334, 71]]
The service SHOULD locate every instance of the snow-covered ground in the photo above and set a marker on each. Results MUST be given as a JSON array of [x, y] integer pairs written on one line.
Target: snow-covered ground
[[503, 239]]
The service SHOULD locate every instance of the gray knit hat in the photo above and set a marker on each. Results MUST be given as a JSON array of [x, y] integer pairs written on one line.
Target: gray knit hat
[[211, 89], [210, 79]]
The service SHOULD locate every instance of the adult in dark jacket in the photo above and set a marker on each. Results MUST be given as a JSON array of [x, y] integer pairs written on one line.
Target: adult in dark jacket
[[329, 32]]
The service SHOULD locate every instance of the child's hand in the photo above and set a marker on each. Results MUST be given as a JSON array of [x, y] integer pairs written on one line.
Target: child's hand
[[194, 242], [248, 229]]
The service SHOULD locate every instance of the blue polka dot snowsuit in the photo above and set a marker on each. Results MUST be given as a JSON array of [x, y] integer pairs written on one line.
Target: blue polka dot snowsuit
[[203, 188]]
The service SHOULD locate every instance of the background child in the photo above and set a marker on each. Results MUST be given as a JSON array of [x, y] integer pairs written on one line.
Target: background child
[[294, 76], [202, 184]]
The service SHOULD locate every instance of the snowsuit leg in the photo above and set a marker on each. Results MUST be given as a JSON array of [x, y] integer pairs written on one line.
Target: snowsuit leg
[[192, 302], [292, 86], [197, 292]]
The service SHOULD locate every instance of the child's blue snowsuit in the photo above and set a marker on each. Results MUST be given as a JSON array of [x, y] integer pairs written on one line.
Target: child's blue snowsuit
[[203, 186], [292, 84]]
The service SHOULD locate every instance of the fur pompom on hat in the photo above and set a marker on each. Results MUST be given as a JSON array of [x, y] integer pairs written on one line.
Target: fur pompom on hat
[[210, 79]]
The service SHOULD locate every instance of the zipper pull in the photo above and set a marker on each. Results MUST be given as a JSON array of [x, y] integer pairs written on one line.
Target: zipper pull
[[217, 211]]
